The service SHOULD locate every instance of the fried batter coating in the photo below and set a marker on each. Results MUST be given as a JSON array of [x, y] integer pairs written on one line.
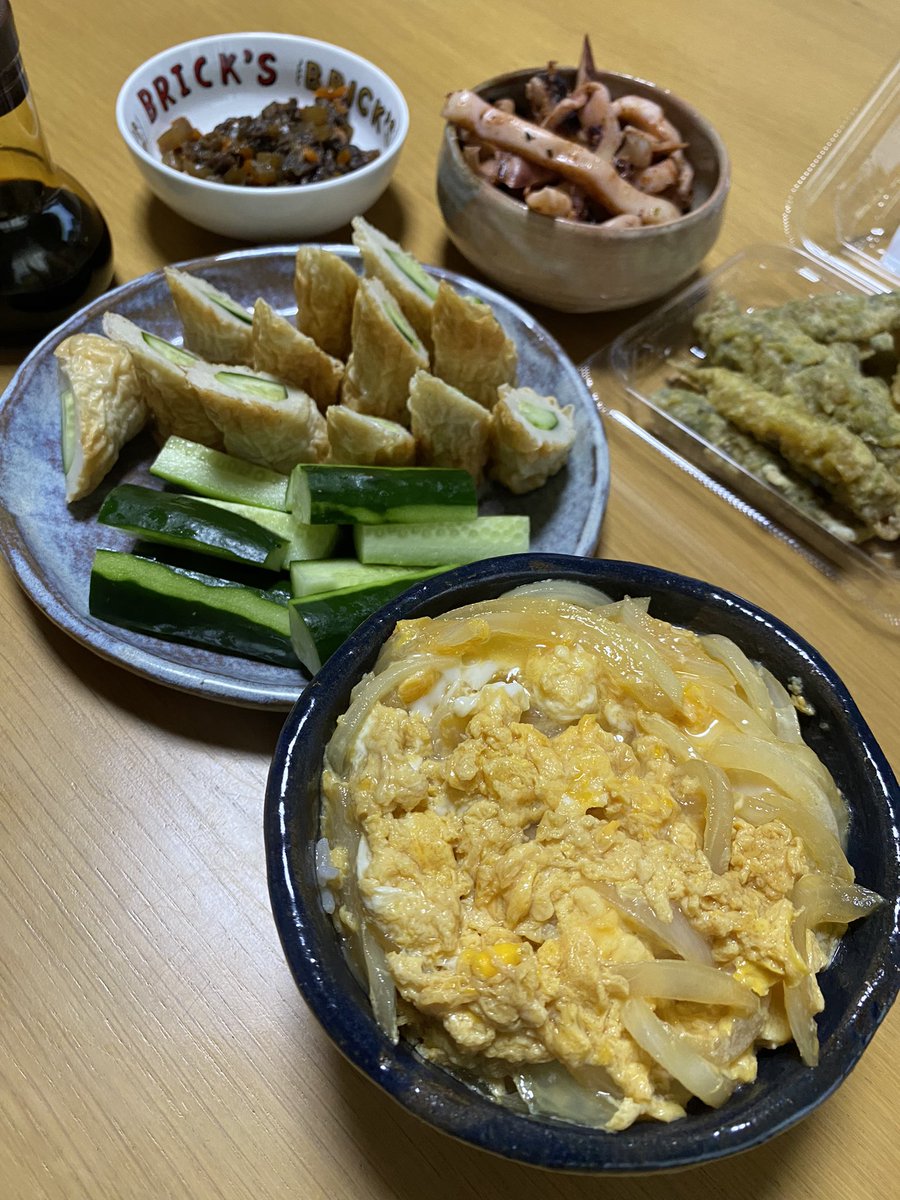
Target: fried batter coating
[[814, 445], [696, 413], [843, 317]]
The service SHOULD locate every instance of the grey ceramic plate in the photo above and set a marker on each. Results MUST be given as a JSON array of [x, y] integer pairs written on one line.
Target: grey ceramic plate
[[50, 545]]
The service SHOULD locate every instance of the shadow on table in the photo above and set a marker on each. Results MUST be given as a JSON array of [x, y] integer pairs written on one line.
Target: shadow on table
[[414, 1160]]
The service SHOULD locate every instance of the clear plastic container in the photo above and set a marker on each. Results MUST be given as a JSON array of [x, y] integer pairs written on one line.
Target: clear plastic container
[[843, 224]]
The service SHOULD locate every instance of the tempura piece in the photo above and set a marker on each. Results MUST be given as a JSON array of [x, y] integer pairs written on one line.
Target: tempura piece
[[175, 408], [325, 288], [367, 441], [260, 418], [402, 274], [837, 388], [815, 446], [282, 350], [100, 407], [450, 429], [386, 353], [768, 349], [531, 436], [844, 317], [471, 351], [216, 327], [696, 413]]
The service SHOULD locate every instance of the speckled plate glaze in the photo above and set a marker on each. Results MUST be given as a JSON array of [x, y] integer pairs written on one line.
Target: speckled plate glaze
[[50, 545], [859, 986]]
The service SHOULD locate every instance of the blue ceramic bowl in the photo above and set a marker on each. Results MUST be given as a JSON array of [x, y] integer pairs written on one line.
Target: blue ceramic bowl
[[858, 987]]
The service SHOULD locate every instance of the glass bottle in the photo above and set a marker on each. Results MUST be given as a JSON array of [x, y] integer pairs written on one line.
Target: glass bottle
[[55, 249]]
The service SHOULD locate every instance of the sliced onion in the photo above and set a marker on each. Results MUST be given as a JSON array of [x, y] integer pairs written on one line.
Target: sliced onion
[[825, 899], [675, 1055], [382, 993], [568, 590], [676, 742], [719, 813], [548, 1089], [821, 844], [801, 1003], [787, 723], [745, 672], [781, 766], [677, 935], [672, 979]]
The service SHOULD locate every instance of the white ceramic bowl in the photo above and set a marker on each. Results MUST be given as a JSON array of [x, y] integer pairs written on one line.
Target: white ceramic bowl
[[569, 265], [237, 74]]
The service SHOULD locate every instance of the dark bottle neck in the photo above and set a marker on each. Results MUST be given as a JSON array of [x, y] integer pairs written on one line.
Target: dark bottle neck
[[22, 146]]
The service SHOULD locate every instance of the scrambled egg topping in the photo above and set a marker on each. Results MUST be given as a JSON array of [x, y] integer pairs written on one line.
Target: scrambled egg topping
[[500, 808]]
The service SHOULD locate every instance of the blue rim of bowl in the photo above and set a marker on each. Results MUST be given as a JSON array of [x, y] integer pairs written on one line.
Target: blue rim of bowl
[[212, 185], [443, 1100]]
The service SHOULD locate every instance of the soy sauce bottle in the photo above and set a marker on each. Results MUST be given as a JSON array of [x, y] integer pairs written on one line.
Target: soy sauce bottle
[[55, 249]]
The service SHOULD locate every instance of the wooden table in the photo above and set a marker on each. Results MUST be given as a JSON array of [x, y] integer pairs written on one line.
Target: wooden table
[[152, 1042]]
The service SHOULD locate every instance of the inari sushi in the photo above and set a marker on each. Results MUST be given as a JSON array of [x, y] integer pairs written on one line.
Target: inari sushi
[[386, 354], [450, 429], [402, 274], [531, 436], [260, 418], [101, 408], [471, 351], [367, 441], [162, 374], [325, 288], [216, 327], [282, 350]]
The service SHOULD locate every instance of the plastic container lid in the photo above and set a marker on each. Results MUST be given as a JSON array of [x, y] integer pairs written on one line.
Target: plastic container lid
[[845, 208], [842, 222]]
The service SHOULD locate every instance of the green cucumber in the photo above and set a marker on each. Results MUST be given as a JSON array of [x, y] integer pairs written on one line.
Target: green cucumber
[[413, 271], [540, 418], [400, 323], [335, 574], [329, 494], [430, 545], [175, 354], [253, 385], [304, 541], [231, 307], [186, 606], [191, 524], [321, 623], [221, 476]]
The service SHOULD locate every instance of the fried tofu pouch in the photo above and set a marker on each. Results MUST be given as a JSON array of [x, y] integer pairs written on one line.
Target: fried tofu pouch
[[450, 429], [471, 351], [260, 418], [282, 350], [216, 327], [531, 436], [174, 406], [101, 408], [325, 289], [402, 274], [367, 441], [386, 354]]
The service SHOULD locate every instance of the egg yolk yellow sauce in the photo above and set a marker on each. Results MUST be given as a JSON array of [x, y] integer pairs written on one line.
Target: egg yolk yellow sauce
[[531, 833]]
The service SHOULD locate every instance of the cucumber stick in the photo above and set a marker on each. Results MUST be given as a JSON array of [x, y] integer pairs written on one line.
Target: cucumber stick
[[334, 574], [191, 524], [322, 622], [186, 606], [323, 494], [303, 541], [443, 542], [221, 476]]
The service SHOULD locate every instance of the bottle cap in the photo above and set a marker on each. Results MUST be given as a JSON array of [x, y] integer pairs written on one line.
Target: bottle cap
[[13, 84]]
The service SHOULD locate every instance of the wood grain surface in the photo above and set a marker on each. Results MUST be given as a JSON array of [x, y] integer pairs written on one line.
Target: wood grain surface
[[152, 1042]]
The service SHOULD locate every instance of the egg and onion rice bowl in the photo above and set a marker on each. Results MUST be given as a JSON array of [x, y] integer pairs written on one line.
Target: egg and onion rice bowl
[[584, 858]]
